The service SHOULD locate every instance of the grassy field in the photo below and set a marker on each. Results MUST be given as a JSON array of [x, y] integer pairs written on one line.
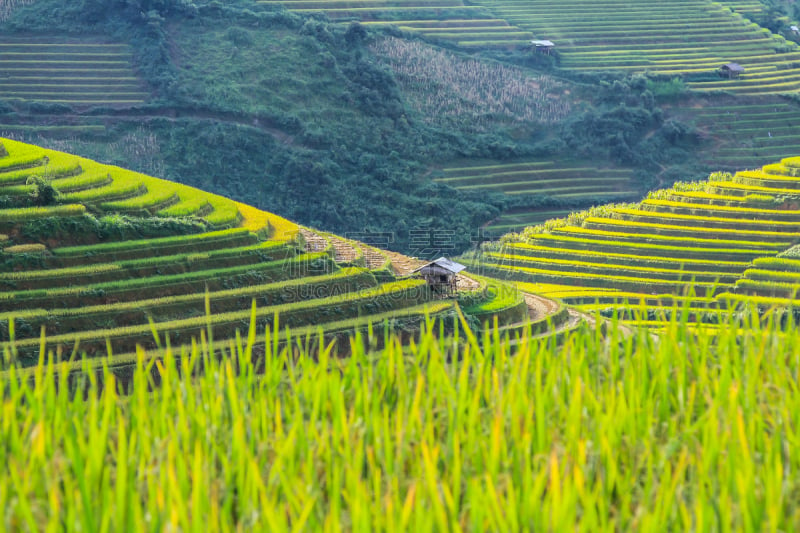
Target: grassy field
[[628, 432]]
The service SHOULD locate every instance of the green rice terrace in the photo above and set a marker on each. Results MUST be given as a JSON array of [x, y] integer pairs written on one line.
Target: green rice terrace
[[568, 182], [447, 20], [115, 259], [78, 72], [686, 37], [744, 132], [696, 250]]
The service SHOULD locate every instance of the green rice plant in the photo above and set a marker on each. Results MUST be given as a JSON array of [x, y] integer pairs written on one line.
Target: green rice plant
[[190, 207], [397, 321], [152, 200], [769, 288], [143, 267], [573, 219], [165, 285], [163, 309], [116, 189], [613, 224], [624, 259], [663, 249], [389, 296], [710, 221], [500, 297], [22, 161], [781, 262], [585, 264], [599, 279], [779, 276], [125, 185], [633, 236], [25, 249], [185, 241], [84, 180], [225, 213], [53, 170], [688, 208], [25, 214]]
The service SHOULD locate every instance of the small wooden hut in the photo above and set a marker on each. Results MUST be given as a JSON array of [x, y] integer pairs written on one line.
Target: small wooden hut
[[441, 275], [731, 70], [543, 46]]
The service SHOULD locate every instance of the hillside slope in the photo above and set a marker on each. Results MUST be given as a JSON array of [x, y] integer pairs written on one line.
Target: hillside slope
[[98, 260], [690, 37], [280, 109], [697, 249]]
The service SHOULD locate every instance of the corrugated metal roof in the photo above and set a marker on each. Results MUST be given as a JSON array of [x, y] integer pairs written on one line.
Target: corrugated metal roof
[[443, 262], [736, 67], [542, 43]]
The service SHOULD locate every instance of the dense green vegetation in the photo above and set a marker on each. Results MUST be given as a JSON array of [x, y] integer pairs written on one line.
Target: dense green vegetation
[[628, 432], [283, 110], [98, 268]]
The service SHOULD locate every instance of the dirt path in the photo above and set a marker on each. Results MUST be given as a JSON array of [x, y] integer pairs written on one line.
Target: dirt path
[[539, 306]]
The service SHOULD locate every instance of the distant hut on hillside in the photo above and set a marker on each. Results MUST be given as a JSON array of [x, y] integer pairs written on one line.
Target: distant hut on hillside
[[543, 46], [795, 30], [731, 70], [441, 275]]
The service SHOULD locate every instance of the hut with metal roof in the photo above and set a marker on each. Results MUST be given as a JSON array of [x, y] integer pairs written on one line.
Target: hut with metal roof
[[441, 275], [731, 70], [543, 46]]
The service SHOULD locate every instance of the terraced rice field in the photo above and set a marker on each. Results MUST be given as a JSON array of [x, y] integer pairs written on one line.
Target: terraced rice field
[[684, 37], [748, 8], [541, 178], [571, 182], [474, 32], [94, 282], [446, 20], [76, 72], [747, 133], [682, 250], [517, 219]]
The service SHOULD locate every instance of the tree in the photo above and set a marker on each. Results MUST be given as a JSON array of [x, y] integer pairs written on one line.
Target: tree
[[43, 192]]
